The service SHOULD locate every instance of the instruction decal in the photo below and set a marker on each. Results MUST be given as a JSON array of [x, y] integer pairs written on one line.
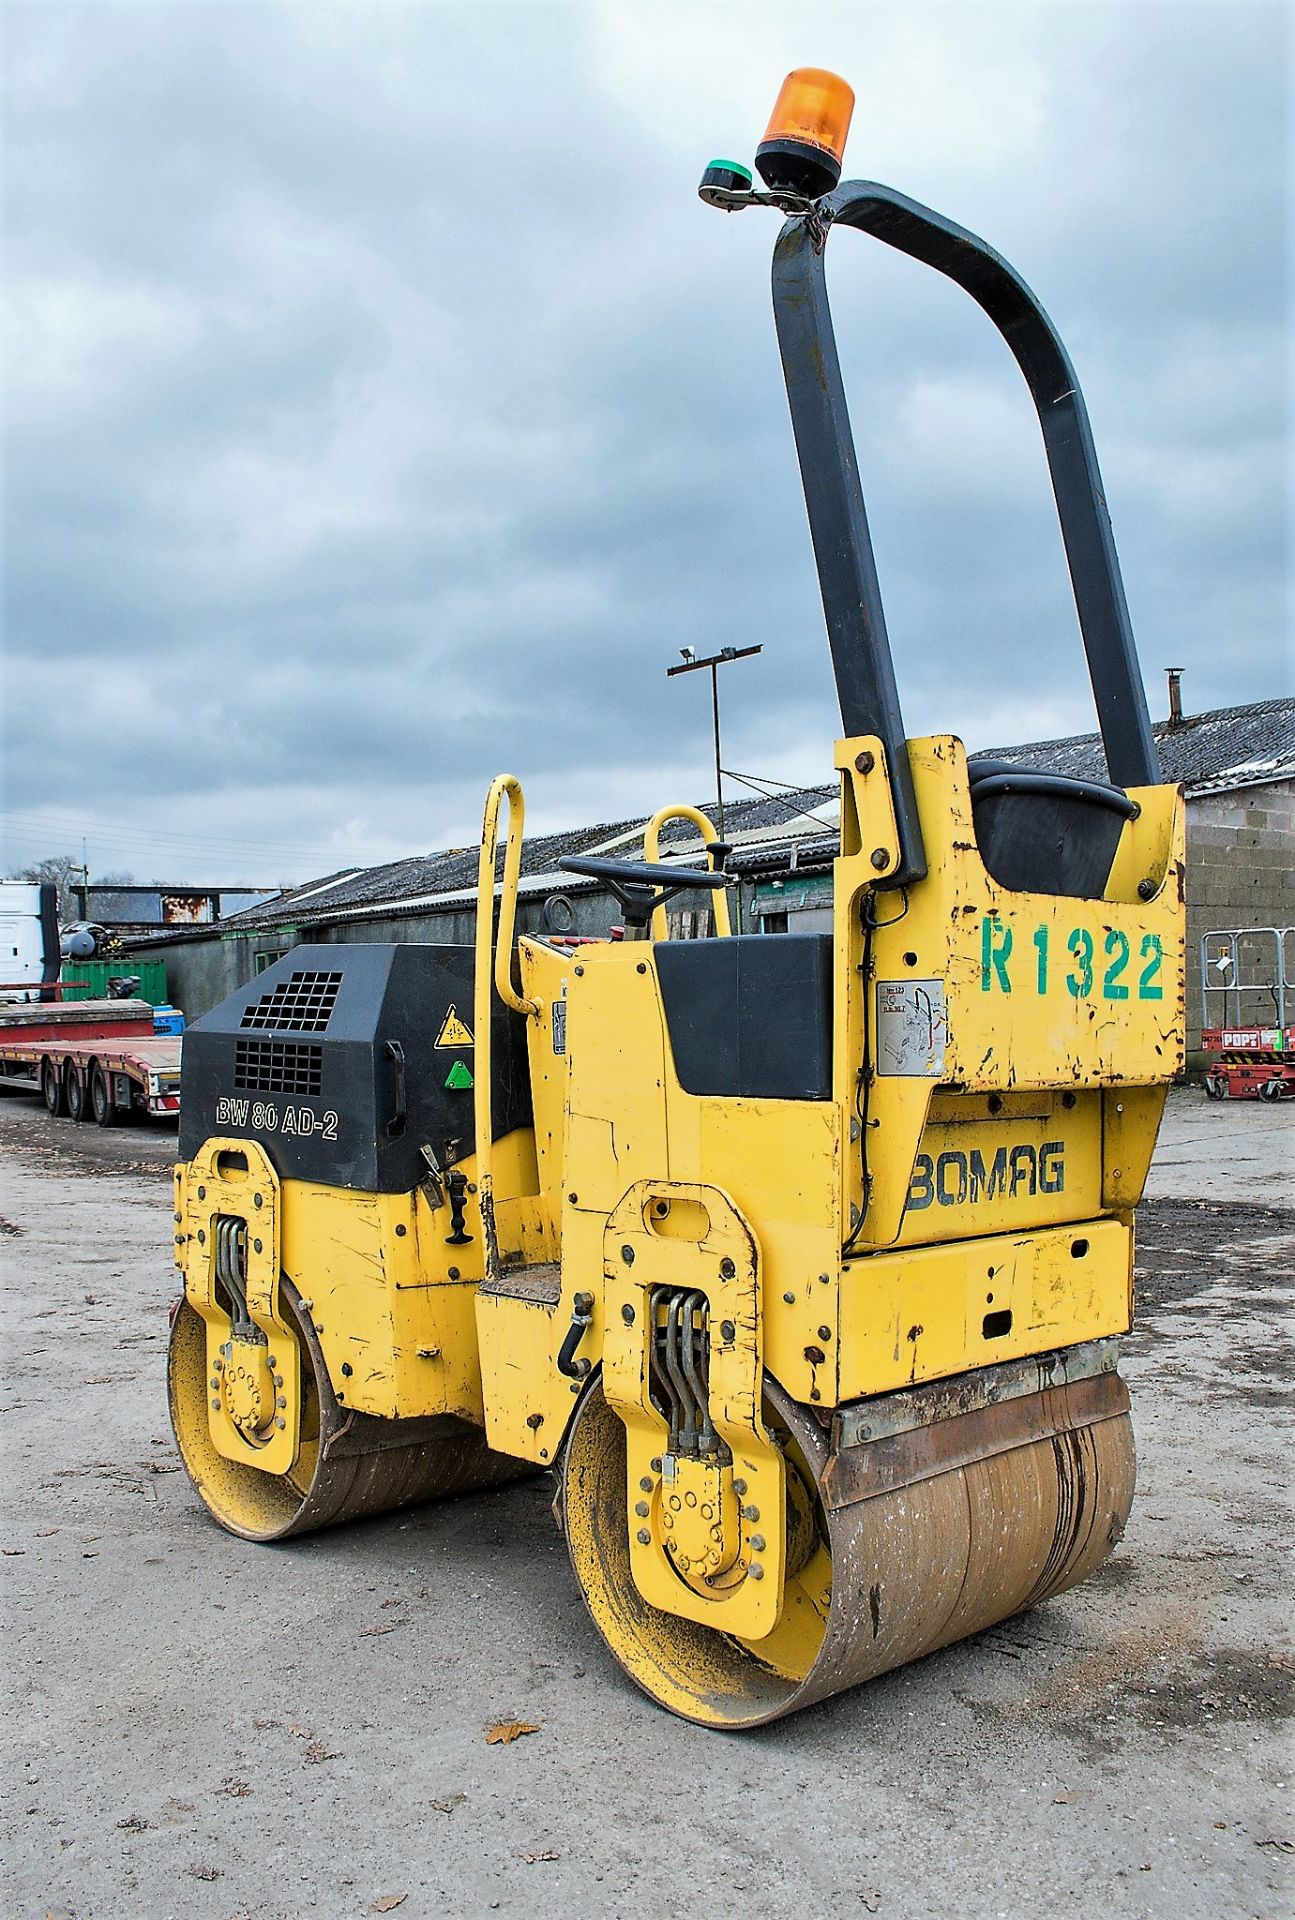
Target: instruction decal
[[912, 1028], [454, 1032]]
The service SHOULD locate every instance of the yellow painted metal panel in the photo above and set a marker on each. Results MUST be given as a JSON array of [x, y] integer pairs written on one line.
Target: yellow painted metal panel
[[1130, 1123], [546, 977], [936, 1311], [395, 1343], [527, 1402], [1022, 990], [987, 1172]]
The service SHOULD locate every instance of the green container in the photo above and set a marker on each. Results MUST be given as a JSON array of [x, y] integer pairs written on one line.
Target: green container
[[97, 973]]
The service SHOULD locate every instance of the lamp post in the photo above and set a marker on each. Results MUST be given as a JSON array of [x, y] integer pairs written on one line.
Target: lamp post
[[714, 661]]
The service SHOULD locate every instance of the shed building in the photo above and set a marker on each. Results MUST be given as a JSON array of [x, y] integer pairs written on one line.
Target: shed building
[[1237, 766]]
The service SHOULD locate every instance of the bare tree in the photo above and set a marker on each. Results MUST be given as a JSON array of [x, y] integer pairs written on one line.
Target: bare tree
[[63, 870]]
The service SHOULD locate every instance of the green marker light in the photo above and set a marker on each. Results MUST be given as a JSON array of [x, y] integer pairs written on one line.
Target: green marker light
[[721, 180]]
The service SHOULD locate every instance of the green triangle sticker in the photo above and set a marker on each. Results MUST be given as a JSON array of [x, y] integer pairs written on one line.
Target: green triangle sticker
[[459, 1076]]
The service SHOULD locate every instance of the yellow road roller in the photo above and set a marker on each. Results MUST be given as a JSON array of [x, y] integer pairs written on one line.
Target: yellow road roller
[[801, 1261]]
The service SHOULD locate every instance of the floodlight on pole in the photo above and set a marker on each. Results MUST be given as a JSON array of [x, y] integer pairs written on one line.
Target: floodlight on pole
[[691, 664]]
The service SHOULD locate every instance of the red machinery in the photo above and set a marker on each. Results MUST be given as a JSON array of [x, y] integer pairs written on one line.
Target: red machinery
[[1248, 971]]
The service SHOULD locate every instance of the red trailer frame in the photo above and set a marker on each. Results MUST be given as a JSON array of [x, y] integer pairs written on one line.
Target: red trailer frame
[[91, 1059]]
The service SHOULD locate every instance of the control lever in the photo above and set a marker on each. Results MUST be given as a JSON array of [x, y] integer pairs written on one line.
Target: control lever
[[457, 1186]]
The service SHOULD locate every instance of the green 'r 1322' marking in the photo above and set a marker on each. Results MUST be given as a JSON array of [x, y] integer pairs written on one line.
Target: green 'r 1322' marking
[[1081, 946]]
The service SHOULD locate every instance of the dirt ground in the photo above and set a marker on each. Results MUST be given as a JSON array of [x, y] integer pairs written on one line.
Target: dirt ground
[[194, 1727]]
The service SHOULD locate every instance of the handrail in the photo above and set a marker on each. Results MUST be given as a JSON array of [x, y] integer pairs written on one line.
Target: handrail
[[493, 968], [847, 570], [1232, 984], [651, 846]]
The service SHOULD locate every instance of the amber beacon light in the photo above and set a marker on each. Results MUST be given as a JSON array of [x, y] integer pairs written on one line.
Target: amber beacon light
[[804, 141]]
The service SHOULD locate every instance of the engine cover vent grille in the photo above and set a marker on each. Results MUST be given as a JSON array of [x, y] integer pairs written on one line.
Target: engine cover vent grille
[[300, 1004], [278, 1066]]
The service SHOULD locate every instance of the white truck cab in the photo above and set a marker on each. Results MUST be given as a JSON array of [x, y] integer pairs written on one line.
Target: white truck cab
[[29, 943]]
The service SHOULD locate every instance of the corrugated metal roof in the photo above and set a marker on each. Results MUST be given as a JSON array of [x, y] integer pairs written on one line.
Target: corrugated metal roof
[[408, 885], [1209, 752], [1230, 747]]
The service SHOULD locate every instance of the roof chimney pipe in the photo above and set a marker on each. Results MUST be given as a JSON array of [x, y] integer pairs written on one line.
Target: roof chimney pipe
[[1175, 675]]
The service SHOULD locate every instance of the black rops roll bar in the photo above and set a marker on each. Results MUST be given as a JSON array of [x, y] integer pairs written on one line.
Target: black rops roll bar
[[847, 568]]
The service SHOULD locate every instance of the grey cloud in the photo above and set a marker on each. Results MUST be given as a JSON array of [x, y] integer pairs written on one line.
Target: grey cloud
[[372, 428]]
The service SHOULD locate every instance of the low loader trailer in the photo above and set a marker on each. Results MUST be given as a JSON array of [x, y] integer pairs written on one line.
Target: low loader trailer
[[94, 1060], [800, 1261]]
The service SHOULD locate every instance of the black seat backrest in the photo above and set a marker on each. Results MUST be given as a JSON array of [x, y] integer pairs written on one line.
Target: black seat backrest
[[1046, 832], [750, 1015]]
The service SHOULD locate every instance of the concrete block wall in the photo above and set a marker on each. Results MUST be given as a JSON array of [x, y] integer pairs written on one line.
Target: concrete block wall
[[1240, 873]]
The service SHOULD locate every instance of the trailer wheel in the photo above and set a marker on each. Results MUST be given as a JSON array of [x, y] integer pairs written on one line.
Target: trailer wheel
[[1271, 1090], [101, 1100], [74, 1095], [1216, 1087], [51, 1089]]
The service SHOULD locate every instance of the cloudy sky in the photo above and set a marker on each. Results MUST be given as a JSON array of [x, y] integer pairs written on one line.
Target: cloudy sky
[[384, 410]]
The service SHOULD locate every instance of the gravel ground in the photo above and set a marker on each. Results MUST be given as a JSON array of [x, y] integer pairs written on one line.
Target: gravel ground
[[195, 1727]]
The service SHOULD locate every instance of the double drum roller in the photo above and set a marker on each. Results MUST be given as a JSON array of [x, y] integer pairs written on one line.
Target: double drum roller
[[800, 1261]]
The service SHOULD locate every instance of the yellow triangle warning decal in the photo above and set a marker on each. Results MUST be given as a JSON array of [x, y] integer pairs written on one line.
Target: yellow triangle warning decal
[[455, 1032]]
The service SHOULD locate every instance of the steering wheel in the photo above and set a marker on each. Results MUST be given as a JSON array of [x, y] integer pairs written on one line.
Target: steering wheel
[[639, 886]]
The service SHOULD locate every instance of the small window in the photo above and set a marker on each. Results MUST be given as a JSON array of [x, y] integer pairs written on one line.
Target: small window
[[773, 923], [809, 920], [264, 960]]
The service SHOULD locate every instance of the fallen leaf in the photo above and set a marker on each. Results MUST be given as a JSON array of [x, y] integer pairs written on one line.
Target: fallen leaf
[[871, 1898], [12, 1553], [531, 1859], [1071, 1797], [1285, 1661], [317, 1751], [389, 1902], [302, 1733], [371, 1633], [201, 1872], [1278, 1846], [134, 1823], [504, 1732], [236, 1789], [1220, 1826], [92, 1554], [261, 1725], [448, 1804], [45, 1532]]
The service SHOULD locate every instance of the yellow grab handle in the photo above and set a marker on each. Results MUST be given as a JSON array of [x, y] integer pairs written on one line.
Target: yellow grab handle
[[493, 965], [651, 841]]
